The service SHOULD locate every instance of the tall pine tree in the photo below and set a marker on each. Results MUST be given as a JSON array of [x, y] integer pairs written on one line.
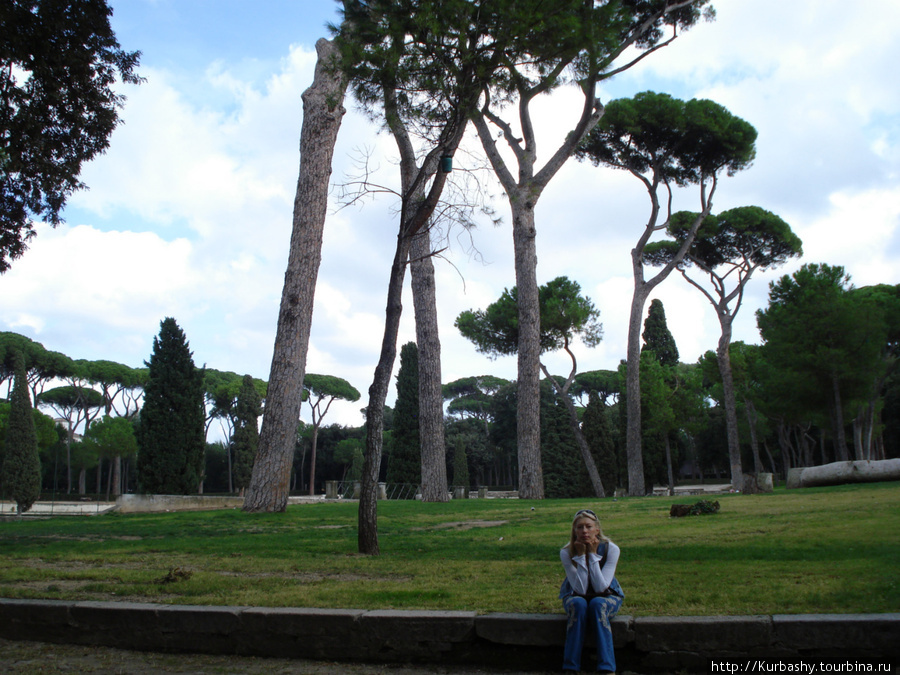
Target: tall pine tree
[[20, 473], [172, 431], [245, 439], [405, 462]]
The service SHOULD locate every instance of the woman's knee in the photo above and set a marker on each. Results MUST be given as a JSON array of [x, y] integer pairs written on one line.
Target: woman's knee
[[605, 607], [576, 606]]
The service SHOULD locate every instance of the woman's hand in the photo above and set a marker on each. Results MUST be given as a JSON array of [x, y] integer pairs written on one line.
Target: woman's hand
[[593, 544], [580, 548]]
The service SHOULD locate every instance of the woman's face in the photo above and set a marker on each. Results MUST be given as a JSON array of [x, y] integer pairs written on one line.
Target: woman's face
[[586, 530]]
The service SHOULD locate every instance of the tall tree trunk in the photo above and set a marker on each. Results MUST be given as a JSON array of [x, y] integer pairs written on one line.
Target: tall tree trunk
[[322, 114], [298, 474], [642, 289], [723, 357], [312, 460], [367, 536], [822, 449], [841, 452], [431, 399], [116, 480], [528, 413], [417, 207], [870, 430], [523, 192], [754, 439], [806, 452], [230, 469], [670, 472], [413, 190], [771, 459], [633, 435], [69, 439], [784, 444]]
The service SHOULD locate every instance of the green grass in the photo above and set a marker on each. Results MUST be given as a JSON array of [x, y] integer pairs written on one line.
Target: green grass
[[827, 550]]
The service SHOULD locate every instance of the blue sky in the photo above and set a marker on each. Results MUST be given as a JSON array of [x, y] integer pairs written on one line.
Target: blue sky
[[185, 34], [188, 213]]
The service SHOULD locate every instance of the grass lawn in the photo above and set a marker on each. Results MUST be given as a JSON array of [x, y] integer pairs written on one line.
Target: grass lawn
[[818, 550]]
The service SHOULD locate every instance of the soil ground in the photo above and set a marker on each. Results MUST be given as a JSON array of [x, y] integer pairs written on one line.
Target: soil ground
[[31, 658]]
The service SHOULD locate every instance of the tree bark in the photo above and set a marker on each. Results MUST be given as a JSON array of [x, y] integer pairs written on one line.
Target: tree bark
[[723, 357], [431, 400], [322, 115], [116, 481], [633, 435], [528, 413]]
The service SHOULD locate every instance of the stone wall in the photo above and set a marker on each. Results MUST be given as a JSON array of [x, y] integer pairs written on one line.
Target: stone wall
[[511, 641]]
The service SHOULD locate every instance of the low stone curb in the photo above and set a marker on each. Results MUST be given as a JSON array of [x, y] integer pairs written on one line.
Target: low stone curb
[[514, 641]]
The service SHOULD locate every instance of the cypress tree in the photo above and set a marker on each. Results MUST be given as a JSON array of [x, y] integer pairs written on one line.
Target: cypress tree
[[245, 439], [20, 473], [172, 431], [460, 464], [405, 464], [600, 435], [657, 337], [565, 475]]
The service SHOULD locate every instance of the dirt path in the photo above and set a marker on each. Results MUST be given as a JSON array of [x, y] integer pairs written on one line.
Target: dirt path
[[28, 658]]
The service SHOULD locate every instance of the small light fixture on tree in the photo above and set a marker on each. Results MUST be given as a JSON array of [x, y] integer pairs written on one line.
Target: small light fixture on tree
[[446, 163]]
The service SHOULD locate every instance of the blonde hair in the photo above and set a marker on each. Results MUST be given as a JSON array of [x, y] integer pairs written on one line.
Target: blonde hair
[[590, 515]]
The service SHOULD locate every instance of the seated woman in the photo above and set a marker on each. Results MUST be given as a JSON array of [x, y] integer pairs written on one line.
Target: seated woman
[[590, 591]]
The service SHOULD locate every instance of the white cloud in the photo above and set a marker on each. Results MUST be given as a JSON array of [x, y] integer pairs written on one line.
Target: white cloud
[[860, 233], [105, 288]]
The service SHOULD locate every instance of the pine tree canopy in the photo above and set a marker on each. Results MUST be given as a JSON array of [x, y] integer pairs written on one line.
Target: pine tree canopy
[[565, 313]]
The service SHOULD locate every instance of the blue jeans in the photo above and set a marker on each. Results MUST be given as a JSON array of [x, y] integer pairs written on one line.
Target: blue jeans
[[579, 612]]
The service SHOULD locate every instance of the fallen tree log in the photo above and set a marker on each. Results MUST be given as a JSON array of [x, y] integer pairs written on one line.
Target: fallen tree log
[[841, 473]]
